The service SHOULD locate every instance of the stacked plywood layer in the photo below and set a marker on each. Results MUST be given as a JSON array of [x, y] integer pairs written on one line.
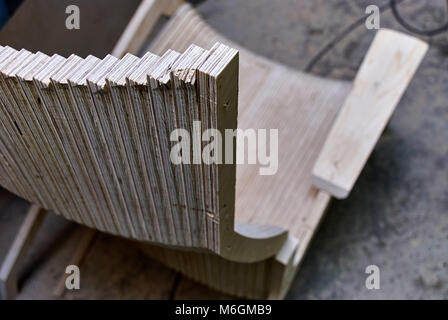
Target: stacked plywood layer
[[90, 139]]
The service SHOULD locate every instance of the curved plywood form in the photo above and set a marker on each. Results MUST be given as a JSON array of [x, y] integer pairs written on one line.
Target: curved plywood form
[[91, 156], [90, 138], [252, 243], [271, 96], [303, 109]]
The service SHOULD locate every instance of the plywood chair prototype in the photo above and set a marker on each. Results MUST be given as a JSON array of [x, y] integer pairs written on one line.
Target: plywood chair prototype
[[89, 139]]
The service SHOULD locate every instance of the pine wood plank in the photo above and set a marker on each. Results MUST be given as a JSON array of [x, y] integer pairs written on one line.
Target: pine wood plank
[[382, 79]]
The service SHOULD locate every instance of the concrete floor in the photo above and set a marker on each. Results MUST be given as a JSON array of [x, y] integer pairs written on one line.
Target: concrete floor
[[397, 214]]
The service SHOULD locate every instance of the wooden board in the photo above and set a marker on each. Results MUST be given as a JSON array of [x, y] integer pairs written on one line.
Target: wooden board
[[141, 24], [382, 79]]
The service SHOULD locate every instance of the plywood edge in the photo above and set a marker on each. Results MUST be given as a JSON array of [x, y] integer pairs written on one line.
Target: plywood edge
[[288, 250], [253, 243], [326, 185]]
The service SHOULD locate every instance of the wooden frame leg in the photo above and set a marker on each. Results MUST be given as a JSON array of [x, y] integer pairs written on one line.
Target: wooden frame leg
[[86, 239], [141, 24], [9, 268]]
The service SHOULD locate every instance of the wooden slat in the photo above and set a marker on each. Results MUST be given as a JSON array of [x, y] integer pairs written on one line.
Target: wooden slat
[[142, 22], [9, 267], [382, 79], [85, 242]]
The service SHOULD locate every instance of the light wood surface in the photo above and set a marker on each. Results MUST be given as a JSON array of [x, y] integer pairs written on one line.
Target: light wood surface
[[382, 79]]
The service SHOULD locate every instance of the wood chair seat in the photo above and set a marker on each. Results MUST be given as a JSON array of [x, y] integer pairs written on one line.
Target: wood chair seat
[[318, 120], [253, 242], [301, 106]]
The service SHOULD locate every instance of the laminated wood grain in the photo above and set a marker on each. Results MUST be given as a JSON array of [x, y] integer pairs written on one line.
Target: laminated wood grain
[[72, 138], [15, 144], [90, 116], [99, 133]]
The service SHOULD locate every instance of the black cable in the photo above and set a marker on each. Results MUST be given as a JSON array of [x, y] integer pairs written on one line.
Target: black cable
[[393, 6], [339, 37], [400, 20]]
